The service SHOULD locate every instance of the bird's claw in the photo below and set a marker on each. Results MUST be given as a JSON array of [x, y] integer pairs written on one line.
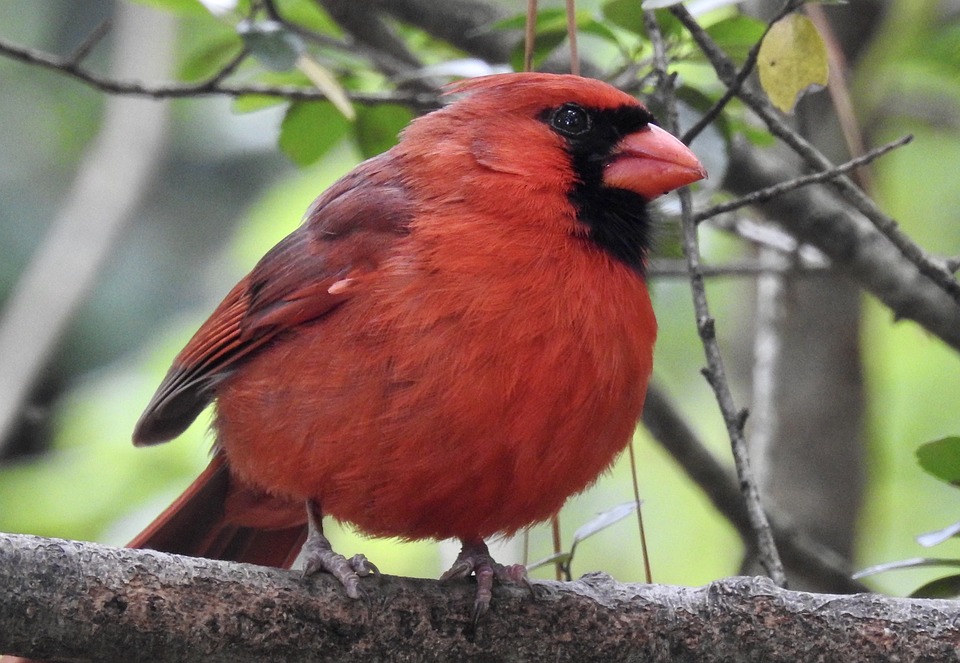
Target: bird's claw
[[476, 559], [319, 556]]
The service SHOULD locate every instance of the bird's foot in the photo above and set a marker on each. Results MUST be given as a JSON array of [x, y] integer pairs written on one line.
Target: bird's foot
[[475, 558], [319, 555]]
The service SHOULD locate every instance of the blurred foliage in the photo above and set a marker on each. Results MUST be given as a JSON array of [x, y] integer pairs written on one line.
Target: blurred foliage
[[224, 197]]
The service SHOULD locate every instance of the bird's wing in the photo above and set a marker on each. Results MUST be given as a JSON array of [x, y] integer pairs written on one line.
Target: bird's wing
[[346, 233]]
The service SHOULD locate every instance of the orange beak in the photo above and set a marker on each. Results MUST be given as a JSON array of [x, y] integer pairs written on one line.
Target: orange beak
[[651, 162]]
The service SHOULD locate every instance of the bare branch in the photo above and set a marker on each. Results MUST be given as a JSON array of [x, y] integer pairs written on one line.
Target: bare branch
[[213, 85], [673, 268], [83, 50], [771, 192], [103, 603]]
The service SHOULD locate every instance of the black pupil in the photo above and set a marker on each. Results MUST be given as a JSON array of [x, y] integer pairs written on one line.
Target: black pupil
[[571, 119]]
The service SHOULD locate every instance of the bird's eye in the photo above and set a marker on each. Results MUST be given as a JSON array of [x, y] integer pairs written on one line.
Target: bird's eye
[[570, 120]]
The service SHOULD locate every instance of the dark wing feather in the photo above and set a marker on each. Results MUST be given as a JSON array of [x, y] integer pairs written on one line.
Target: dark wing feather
[[347, 232]]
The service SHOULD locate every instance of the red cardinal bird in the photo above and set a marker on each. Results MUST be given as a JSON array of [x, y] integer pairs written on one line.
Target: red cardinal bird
[[457, 338]]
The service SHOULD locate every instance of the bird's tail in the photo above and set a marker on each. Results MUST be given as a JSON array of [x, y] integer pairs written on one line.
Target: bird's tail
[[218, 518]]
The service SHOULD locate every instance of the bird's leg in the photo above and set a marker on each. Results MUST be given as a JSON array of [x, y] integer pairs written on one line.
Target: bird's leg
[[475, 558], [319, 556]]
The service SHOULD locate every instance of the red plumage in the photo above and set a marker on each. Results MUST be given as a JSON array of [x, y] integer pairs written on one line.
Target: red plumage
[[457, 338]]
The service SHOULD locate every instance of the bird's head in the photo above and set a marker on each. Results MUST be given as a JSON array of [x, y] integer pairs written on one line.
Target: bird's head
[[545, 140]]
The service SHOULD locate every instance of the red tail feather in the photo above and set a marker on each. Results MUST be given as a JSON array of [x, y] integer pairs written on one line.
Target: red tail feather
[[217, 518]]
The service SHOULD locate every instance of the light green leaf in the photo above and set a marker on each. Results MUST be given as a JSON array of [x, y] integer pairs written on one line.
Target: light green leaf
[[210, 57], [377, 127], [942, 588], [273, 46], [250, 103], [658, 4], [181, 7], [941, 458], [309, 129], [792, 59], [628, 14], [737, 34]]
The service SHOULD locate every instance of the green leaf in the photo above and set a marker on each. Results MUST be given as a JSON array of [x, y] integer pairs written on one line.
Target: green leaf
[[947, 587], [941, 458], [658, 4], [377, 127], [309, 14], [542, 47], [309, 129], [598, 29], [547, 19], [250, 103], [181, 7], [272, 45], [792, 59], [628, 14], [737, 34], [210, 57]]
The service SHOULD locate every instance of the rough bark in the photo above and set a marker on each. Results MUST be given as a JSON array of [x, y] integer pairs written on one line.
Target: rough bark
[[87, 601]]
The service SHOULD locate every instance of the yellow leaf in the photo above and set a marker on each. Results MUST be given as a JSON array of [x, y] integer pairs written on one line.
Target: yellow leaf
[[792, 59]]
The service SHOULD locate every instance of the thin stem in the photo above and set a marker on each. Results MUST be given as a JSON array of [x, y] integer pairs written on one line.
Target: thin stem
[[214, 85], [562, 570], [715, 372], [572, 36], [770, 192], [530, 35], [647, 573]]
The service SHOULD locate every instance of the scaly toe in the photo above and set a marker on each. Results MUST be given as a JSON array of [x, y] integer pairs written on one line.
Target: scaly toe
[[363, 567]]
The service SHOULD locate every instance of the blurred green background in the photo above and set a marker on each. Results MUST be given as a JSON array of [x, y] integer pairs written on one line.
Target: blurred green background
[[222, 194]]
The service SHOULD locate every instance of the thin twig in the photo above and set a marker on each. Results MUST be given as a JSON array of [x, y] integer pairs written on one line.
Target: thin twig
[[672, 268], [715, 371], [81, 52], [530, 35], [572, 37], [764, 195], [647, 572], [760, 105], [213, 85]]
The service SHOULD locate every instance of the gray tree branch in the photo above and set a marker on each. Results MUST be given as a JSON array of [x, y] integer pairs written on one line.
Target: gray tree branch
[[91, 602]]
